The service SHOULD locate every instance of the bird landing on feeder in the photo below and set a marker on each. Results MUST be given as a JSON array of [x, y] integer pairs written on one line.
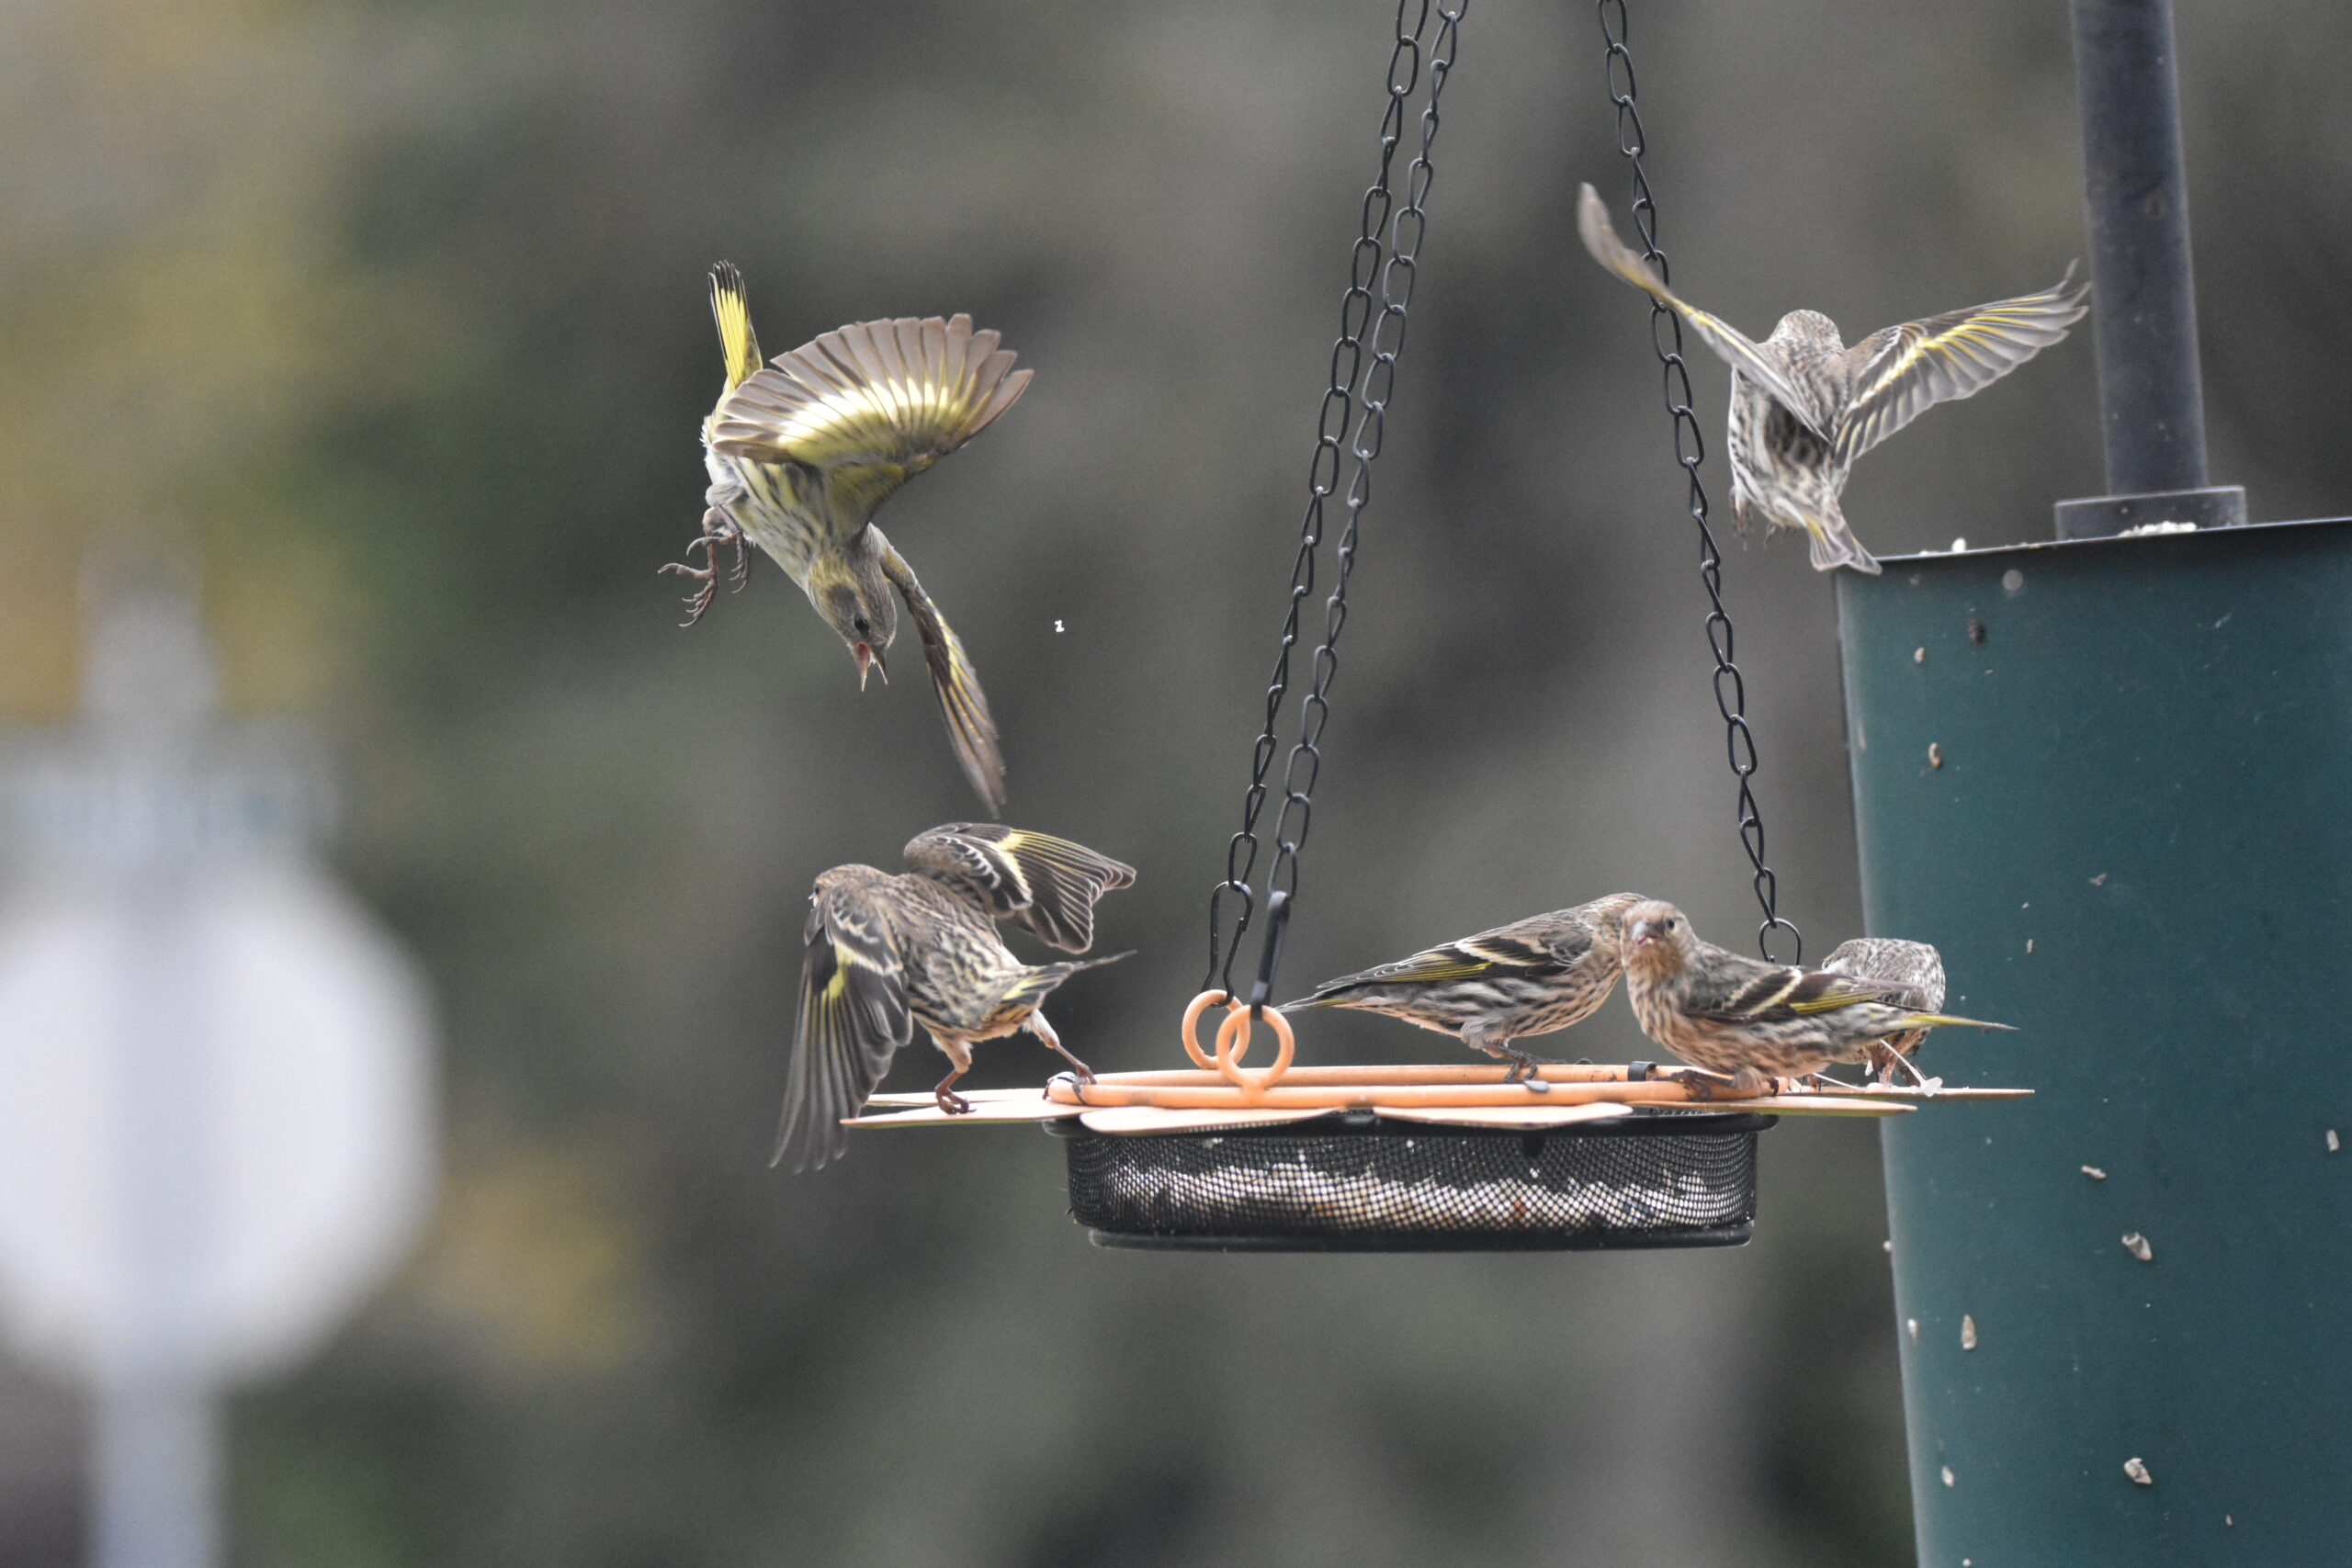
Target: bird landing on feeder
[[802, 454], [1804, 407]]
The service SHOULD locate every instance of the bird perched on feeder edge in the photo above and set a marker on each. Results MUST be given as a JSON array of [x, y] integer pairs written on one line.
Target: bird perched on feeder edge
[[1803, 406], [1531, 977], [801, 455], [887, 953], [1915, 967], [1734, 1015]]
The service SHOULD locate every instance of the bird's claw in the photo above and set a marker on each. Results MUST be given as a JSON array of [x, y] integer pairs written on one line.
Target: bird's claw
[[718, 529], [951, 1103]]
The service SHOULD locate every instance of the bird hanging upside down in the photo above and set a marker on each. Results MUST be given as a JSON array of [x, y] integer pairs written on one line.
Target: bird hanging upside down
[[801, 455], [1529, 978], [887, 953], [1803, 406], [1734, 1015]]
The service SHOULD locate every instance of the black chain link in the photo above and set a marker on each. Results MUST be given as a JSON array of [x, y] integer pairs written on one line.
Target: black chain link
[[1393, 267], [1689, 451]]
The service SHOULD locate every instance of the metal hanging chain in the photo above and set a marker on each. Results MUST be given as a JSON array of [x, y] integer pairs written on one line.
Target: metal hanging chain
[[1391, 266], [1689, 451]]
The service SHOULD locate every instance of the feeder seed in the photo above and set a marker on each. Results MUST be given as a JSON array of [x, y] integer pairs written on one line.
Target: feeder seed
[[1949, 1481], [2099, 881], [1967, 1332], [2028, 944], [2137, 1246], [2095, 1173], [1918, 655], [2138, 1471], [1935, 755], [2333, 1143]]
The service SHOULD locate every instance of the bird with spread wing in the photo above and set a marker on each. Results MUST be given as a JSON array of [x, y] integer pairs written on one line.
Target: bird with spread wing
[[804, 451], [1803, 406], [1531, 977], [887, 953]]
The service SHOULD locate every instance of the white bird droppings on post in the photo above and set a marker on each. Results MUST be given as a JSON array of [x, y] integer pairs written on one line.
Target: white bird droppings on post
[[2137, 1246], [1967, 1332], [2138, 1471], [2095, 1173]]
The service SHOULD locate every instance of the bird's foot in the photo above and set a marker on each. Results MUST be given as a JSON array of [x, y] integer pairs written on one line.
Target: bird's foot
[[950, 1102], [1526, 1069], [718, 529], [1703, 1085], [1700, 1084]]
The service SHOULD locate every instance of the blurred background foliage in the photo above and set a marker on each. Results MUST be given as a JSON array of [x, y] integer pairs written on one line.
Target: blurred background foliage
[[390, 314]]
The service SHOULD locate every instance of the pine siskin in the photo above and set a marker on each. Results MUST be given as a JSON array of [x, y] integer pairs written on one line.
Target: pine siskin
[[803, 453], [1915, 967], [1529, 978], [1730, 1014], [1803, 406], [887, 953]]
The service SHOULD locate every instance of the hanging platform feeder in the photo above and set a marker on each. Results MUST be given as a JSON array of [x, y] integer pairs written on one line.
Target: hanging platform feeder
[[1452, 1158], [1222, 1156]]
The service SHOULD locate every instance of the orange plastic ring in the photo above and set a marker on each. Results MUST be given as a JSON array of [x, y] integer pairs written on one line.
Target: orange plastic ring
[[1201, 1004], [1233, 1044]]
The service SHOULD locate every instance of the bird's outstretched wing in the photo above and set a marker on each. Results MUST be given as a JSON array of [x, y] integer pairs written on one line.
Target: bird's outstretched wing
[[971, 729], [1899, 373], [1735, 348], [870, 406], [1914, 966], [854, 1017], [1049, 885], [730, 306]]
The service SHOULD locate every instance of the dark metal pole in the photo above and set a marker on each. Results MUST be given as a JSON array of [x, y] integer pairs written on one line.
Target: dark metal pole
[[2143, 318]]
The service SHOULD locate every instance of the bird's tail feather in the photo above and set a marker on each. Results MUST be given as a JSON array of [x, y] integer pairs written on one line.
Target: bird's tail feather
[[1032, 987], [1834, 545], [1942, 1020], [730, 306]]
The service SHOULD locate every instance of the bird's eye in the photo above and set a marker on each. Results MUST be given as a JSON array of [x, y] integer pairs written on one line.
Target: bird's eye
[[1666, 925], [861, 625]]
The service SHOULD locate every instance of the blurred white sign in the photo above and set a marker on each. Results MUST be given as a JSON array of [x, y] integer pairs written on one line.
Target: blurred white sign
[[217, 1127], [289, 1137]]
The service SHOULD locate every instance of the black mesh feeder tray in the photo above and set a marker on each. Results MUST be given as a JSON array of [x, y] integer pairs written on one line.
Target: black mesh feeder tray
[[1226, 1157]]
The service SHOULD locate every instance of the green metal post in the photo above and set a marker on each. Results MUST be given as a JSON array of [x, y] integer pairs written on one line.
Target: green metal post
[[2113, 781]]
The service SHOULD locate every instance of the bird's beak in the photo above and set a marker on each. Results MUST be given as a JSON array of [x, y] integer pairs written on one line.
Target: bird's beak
[[1640, 933], [868, 660]]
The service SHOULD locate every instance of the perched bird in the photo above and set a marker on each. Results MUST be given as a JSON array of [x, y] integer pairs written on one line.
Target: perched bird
[[803, 453], [1529, 978], [887, 953], [1730, 1014], [1803, 406], [1917, 969]]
